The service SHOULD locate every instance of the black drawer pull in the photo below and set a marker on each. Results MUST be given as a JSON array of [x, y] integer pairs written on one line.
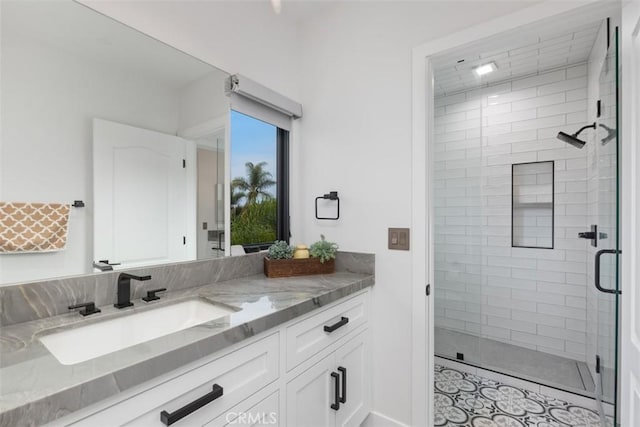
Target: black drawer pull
[[343, 321], [336, 392], [343, 398], [170, 418]]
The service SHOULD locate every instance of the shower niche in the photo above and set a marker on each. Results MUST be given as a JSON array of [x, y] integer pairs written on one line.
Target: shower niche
[[532, 205]]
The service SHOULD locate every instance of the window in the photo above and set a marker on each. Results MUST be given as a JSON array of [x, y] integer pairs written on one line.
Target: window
[[260, 124], [259, 182], [532, 205]]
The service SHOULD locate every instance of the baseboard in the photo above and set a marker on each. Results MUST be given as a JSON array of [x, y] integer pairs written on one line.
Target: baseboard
[[375, 419]]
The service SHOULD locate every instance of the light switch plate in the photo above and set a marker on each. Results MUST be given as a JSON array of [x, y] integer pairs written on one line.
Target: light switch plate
[[399, 239]]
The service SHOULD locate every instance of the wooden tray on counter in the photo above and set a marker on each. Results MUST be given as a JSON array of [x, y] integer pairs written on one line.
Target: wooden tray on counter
[[297, 267]]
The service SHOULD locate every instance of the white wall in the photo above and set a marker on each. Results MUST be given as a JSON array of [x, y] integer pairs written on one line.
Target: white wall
[[356, 91], [534, 298]]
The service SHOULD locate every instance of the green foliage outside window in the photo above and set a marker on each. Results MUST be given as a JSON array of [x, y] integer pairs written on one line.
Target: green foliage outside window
[[253, 212]]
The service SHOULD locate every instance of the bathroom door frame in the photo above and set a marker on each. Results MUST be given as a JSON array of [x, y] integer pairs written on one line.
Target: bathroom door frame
[[630, 216], [422, 357]]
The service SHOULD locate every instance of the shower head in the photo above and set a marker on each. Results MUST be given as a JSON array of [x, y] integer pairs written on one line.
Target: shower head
[[611, 134], [570, 139], [573, 138]]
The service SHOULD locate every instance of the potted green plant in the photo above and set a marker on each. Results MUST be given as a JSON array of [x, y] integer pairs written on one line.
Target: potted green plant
[[323, 250], [280, 250], [279, 261]]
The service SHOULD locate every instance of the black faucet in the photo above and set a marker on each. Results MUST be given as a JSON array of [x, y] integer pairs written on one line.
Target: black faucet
[[124, 289]]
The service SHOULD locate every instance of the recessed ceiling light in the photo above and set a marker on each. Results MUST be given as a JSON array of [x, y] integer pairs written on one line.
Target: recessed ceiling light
[[481, 70]]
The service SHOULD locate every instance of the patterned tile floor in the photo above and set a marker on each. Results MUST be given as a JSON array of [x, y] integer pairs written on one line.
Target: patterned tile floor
[[463, 399]]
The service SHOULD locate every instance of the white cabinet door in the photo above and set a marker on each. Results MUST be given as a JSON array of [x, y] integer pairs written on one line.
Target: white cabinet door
[[311, 394], [336, 390], [352, 362]]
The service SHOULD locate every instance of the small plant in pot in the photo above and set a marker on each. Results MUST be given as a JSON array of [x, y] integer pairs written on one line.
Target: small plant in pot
[[280, 262], [323, 249], [280, 250]]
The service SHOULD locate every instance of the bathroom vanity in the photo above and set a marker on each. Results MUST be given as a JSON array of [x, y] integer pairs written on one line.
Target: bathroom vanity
[[291, 351], [282, 377]]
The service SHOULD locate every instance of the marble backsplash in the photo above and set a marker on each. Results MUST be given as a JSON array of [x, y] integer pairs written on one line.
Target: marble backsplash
[[37, 300]]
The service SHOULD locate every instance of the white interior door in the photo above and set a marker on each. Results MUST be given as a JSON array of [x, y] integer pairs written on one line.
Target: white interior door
[[630, 318], [141, 196]]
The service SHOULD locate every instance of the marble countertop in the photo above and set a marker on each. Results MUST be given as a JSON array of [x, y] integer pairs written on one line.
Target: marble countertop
[[35, 388]]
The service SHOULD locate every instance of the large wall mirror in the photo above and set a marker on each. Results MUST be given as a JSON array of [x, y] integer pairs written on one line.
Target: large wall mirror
[[93, 110]]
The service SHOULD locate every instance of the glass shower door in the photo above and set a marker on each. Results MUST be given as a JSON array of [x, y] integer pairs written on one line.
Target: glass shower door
[[457, 225], [606, 258]]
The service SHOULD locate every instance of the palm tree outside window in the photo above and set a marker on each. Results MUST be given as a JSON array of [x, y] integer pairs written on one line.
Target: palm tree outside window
[[259, 186]]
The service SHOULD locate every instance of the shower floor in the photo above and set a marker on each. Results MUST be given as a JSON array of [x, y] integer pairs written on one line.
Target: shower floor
[[535, 366], [462, 399]]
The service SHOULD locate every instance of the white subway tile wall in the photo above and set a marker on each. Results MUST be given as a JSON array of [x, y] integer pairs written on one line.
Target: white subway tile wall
[[535, 298]]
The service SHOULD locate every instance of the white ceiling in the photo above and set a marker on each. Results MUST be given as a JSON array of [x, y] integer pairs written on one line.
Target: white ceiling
[[526, 52], [298, 11]]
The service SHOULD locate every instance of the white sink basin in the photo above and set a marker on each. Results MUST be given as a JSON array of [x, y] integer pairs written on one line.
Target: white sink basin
[[100, 338]]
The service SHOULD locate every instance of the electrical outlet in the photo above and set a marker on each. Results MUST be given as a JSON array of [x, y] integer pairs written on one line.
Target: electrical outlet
[[399, 239]]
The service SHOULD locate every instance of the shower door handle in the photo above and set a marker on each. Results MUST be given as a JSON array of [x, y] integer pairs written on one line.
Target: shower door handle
[[597, 272]]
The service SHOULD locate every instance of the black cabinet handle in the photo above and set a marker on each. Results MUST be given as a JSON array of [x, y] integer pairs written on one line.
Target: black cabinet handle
[[597, 272], [336, 391], [170, 418], [343, 321], [343, 398]]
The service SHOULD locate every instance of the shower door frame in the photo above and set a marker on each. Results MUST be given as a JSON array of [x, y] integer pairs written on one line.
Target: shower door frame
[[422, 357]]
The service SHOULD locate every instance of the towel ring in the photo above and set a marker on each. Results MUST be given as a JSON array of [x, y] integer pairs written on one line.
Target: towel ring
[[332, 195]]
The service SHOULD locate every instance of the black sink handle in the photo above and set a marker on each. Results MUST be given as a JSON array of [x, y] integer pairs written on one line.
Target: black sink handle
[[87, 308], [151, 295]]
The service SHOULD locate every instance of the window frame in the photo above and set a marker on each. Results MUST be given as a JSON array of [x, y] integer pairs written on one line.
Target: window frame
[[283, 215]]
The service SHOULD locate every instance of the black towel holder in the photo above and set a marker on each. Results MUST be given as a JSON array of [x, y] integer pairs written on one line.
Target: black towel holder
[[332, 195], [78, 204]]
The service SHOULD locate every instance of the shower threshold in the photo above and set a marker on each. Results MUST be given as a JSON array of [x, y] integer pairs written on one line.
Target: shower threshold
[[535, 366]]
